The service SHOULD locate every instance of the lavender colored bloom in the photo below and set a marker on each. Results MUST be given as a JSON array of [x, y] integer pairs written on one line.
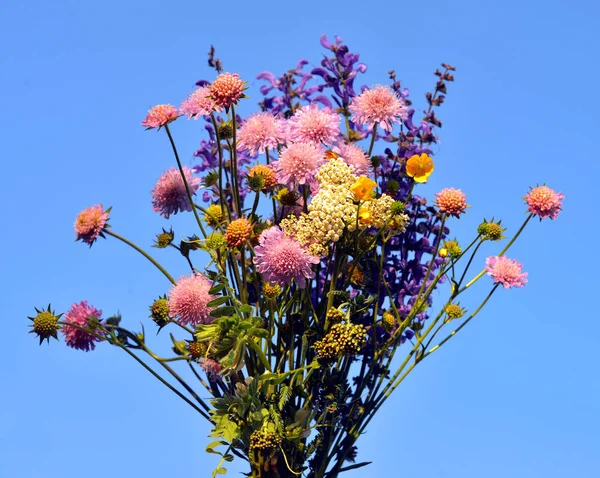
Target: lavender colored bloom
[[169, 195]]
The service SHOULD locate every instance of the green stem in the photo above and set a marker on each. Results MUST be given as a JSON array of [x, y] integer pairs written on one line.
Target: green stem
[[372, 141], [142, 252], [185, 182]]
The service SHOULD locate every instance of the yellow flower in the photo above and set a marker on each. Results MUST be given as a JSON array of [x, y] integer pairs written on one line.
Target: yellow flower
[[363, 188], [419, 167], [364, 215]]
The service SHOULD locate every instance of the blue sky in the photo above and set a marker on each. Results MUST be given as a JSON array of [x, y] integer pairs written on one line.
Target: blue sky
[[516, 394]]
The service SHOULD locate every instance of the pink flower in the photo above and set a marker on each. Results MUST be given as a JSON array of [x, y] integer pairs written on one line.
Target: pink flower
[[159, 116], [227, 89], [80, 315], [90, 223], [212, 368], [313, 125], [198, 103], [544, 202], [451, 201], [378, 105], [189, 298], [169, 195], [506, 271], [282, 259], [356, 157], [298, 163], [260, 131]]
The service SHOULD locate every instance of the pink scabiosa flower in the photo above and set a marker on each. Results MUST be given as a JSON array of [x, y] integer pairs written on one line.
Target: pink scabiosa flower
[[313, 125], [90, 223], [505, 271], [188, 300], [169, 195], [259, 132], [198, 103], [451, 201], [86, 316], [282, 259], [379, 105], [227, 89], [544, 202], [212, 368], [298, 163], [355, 157], [159, 116]]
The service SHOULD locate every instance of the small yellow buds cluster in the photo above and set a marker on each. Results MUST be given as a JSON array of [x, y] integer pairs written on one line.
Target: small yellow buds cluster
[[264, 442], [287, 197], [454, 311], [343, 339], [159, 312], [238, 232], [271, 291], [214, 215], [358, 276], [490, 231], [45, 324], [388, 321], [335, 315], [382, 212]]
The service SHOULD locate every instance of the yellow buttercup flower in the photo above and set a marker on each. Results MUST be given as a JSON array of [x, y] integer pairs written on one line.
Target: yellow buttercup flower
[[363, 188], [419, 167]]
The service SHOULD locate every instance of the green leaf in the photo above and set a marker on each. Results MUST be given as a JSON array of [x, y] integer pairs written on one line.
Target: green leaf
[[216, 289], [222, 311], [212, 445], [218, 301], [219, 471], [246, 309]]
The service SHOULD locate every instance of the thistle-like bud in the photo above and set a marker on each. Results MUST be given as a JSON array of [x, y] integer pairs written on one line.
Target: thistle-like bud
[[490, 231], [211, 179], [197, 349], [215, 241], [393, 187], [256, 182], [214, 215], [180, 347], [164, 239], [238, 232], [271, 291], [454, 250], [45, 324], [288, 198], [397, 207], [226, 130], [159, 311], [454, 311], [375, 161]]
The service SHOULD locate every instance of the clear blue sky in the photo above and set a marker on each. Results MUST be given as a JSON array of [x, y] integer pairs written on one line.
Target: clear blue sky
[[516, 395]]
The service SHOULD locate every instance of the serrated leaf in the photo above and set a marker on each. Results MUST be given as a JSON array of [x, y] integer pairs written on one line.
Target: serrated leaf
[[218, 301]]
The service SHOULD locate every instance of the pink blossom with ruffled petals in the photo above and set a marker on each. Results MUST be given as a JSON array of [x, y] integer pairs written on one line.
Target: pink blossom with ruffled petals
[[451, 201], [212, 368], [508, 272], [298, 163], [544, 202], [259, 132], [80, 315], [313, 125], [379, 105], [355, 157], [159, 116], [189, 298], [199, 103], [90, 223], [282, 259], [169, 195]]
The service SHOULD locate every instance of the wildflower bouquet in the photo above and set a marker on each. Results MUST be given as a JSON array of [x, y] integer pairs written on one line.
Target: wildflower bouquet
[[314, 298]]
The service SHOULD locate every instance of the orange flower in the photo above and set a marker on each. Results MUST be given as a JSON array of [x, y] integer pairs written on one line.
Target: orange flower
[[419, 167], [363, 188]]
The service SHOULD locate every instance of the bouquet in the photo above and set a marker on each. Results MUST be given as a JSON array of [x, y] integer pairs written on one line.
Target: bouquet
[[312, 262]]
